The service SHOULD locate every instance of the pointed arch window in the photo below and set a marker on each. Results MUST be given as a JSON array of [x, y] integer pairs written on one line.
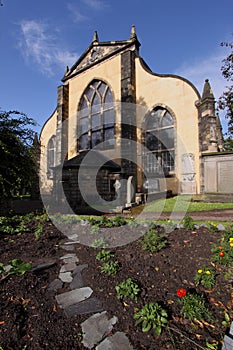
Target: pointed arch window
[[51, 148], [159, 157], [96, 117]]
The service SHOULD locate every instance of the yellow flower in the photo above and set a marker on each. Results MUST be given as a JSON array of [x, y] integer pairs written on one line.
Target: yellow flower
[[231, 239], [199, 271], [208, 272], [231, 244]]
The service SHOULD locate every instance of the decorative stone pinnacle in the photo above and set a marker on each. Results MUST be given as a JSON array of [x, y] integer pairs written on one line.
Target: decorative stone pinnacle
[[95, 37], [133, 32]]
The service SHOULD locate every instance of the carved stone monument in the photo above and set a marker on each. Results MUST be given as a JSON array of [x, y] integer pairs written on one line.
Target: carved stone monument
[[188, 183]]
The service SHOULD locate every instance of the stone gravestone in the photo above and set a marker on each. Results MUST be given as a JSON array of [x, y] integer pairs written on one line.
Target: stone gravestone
[[188, 183]]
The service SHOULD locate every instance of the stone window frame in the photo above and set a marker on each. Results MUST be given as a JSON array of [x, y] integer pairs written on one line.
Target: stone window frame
[[100, 90], [160, 169], [51, 152]]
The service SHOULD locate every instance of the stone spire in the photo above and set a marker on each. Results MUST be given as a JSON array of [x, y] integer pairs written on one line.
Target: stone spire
[[207, 91], [133, 34], [95, 37]]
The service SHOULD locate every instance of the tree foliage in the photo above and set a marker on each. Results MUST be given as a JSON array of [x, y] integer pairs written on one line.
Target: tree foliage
[[17, 167], [226, 99]]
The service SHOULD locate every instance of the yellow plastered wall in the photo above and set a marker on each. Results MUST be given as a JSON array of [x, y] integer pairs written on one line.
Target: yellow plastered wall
[[110, 72], [179, 97], [47, 132]]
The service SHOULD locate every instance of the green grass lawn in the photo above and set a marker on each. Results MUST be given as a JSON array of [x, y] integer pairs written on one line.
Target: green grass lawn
[[183, 204]]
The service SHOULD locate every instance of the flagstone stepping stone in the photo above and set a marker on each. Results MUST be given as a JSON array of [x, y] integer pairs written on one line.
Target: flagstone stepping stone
[[77, 277], [55, 285], [87, 306], [68, 248], [118, 341], [70, 258], [68, 267], [73, 297], [96, 328], [43, 266], [65, 277]]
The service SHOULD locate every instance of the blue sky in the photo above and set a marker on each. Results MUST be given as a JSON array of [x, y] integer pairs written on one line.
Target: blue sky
[[39, 38]]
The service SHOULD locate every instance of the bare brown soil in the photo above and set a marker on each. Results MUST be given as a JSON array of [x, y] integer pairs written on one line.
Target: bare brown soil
[[30, 318]]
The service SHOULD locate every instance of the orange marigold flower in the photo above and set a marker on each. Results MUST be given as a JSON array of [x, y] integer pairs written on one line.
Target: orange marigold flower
[[181, 292]]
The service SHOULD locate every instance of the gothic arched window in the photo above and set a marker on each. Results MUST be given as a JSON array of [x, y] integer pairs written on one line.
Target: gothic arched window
[[159, 157], [96, 117], [51, 156]]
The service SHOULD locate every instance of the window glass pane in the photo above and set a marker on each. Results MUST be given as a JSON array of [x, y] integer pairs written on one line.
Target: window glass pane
[[109, 118], [89, 93], [167, 120], [96, 104], [166, 137], [96, 121], [151, 141], [108, 134], [84, 125], [153, 121], [167, 161], [84, 141], [95, 83], [102, 88], [108, 97], [95, 138], [83, 104]]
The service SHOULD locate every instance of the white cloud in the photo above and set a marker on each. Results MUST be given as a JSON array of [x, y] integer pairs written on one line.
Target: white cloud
[[77, 16], [39, 46], [207, 68], [95, 4]]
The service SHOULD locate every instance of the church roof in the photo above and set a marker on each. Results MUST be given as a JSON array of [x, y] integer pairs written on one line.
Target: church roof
[[96, 158], [100, 51]]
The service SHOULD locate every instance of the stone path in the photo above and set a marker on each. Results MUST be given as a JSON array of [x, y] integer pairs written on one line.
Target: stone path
[[79, 301]]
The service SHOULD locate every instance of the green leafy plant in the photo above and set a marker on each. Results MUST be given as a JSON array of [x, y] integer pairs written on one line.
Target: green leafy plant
[[194, 307], [206, 277], [227, 320], [188, 223], [18, 267], [104, 255], [38, 230], [152, 315], [14, 267], [128, 288], [213, 346], [111, 268], [153, 242], [99, 243]]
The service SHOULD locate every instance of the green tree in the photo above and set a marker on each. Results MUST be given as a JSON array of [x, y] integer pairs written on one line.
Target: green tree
[[225, 101], [17, 167], [228, 144]]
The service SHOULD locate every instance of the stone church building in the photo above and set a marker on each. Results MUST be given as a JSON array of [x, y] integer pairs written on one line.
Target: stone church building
[[121, 131]]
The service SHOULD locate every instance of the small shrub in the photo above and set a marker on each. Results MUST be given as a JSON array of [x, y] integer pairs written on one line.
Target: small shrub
[[128, 288], [188, 223], [104, 255], [152, 315], [206, 277], [153, 242], [111, 268], [194, 307]]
